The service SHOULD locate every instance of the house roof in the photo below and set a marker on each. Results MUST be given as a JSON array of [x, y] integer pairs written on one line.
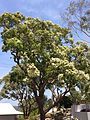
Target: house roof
[[8, 109]]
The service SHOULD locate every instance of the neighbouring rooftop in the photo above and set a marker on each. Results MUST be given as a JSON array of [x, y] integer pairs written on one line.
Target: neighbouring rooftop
[[8, 109]]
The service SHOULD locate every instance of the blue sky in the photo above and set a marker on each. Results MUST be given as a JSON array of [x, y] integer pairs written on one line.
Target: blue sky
[[43, 9]]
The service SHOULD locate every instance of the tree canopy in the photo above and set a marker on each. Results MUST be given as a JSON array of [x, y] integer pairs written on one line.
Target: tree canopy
[[47, 55]]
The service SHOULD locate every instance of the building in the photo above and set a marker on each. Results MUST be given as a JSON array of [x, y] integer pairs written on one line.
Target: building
[[8, 112]]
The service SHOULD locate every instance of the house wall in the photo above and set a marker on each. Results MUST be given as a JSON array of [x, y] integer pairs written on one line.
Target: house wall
[[78, 108], [75, 111], [83, 115], [8, 117]]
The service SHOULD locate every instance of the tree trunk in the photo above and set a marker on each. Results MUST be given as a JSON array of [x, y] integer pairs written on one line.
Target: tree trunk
[[39, 98], [42, 114], [40, 102]]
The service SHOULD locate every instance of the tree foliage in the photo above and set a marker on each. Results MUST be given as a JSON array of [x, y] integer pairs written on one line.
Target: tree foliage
[[46, 54], [77, 16], [16, 88]]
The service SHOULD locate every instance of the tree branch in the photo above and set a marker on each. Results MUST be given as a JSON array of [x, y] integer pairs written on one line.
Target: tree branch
[[57, 101]]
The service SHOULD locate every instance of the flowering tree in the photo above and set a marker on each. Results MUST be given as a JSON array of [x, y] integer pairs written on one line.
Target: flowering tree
[[46, 54]]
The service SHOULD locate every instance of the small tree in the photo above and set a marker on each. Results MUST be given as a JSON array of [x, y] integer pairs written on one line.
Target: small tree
[[46, 54], [77, 17], [17, 89]]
